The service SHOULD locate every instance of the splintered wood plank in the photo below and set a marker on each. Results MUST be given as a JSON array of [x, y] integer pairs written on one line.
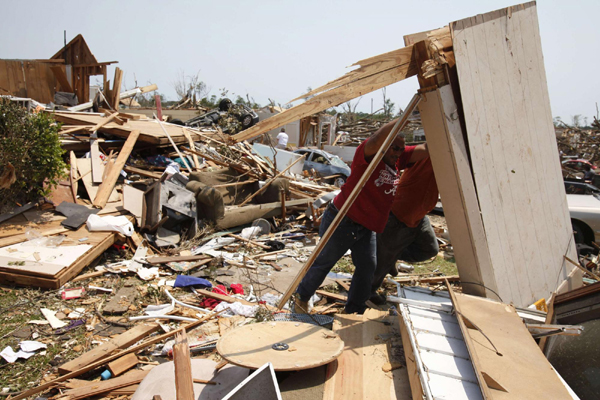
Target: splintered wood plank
[[348, 90], [84, 165], [108, 185], [513, 152], [150, 131], [506, 358], [122, 341], [359, 372], [184, 385]]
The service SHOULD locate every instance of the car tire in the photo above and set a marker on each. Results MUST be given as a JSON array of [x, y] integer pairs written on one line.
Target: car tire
[[339, 181], [246, 121], [579, 232]]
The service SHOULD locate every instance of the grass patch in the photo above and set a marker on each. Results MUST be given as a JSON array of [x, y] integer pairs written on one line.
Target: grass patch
[[438, 264], [344, 265]]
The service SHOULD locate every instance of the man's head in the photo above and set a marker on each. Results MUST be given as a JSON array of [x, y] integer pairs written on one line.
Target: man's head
[[395, 151], [283, 130]]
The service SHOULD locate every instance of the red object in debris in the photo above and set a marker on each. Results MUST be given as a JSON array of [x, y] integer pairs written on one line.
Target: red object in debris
[[209, 303], [237, 288], [578, 164], [158, 107], [73, 293], [220, 289]]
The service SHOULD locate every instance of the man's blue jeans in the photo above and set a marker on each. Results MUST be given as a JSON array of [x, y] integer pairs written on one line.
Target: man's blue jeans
[[349, 235]]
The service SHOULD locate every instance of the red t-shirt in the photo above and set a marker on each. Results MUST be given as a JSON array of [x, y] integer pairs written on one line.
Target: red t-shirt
[[372, 206], [416, 193]]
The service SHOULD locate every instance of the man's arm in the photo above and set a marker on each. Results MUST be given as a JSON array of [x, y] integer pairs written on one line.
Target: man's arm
[[375, 141], [419, 153]]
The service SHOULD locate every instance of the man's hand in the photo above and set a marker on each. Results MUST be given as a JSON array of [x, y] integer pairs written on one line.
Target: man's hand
[[377, 139]]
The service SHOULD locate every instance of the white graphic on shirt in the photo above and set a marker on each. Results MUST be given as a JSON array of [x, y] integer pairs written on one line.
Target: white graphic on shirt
[[387, 176]]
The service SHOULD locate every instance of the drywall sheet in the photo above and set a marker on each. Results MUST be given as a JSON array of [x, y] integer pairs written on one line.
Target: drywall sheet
[[40, 259], [513, 150]]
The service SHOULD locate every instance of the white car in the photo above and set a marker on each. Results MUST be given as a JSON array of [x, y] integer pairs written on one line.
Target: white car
[[585, 217]]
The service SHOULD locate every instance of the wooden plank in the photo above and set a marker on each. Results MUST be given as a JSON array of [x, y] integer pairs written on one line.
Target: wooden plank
[[512, 144], [61, 77], [109, 184], [143, 172], [74, 176], [98, 353], [96, 388], [84, 166], [335, 96], [452, 172], [334, 296], [360, 373], [503, 353], [184, 385], [125, 363], [97, 165], [350, 200]]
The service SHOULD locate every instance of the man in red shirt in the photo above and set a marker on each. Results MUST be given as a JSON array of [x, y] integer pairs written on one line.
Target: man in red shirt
[[367, 215], [408, 234]]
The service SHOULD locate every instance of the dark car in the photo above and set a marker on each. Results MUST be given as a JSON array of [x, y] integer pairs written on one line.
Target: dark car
[[580, 187], [325, 164], [245, 117]]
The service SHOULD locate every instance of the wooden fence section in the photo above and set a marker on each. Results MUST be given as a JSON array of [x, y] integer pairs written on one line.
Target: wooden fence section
[[26, 78]]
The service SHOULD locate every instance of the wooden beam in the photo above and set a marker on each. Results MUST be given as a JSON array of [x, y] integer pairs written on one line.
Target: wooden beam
[[335, 296], [61, 77], [447, 148], [108, 185], [351, 198], [348, 90], [184, 385]]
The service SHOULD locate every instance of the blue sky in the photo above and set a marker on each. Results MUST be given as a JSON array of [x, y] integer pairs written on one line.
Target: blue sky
[[276, 49]]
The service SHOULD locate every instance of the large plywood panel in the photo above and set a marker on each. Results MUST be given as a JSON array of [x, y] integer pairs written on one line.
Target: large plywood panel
[[513, 151]]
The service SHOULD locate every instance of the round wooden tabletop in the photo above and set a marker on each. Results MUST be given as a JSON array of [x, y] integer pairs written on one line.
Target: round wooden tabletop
[[289, 346]]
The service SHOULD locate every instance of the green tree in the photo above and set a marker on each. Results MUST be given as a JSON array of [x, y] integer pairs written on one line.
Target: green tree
[[31, 145]]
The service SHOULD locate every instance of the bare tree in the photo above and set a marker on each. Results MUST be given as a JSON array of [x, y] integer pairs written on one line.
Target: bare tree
[[350, 110], [190, 87]]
